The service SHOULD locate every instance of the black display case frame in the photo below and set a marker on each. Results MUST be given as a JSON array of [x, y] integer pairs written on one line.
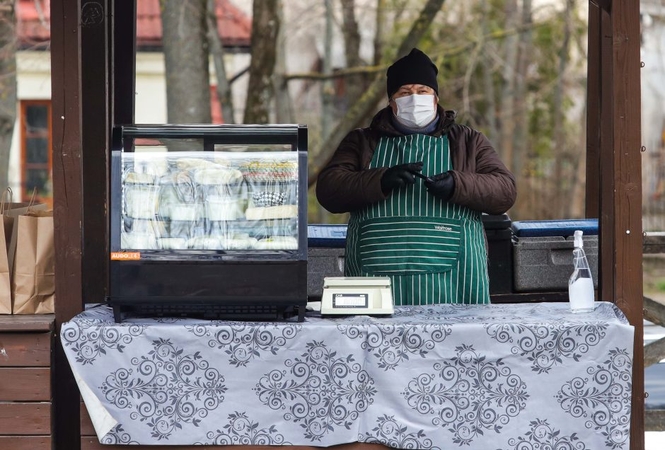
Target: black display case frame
[[213, 284]]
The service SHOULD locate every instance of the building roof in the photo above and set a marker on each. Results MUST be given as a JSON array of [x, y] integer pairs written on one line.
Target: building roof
[[33, 24]]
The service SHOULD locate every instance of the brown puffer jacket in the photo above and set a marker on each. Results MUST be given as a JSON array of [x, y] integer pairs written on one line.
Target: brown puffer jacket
[[482, 181]]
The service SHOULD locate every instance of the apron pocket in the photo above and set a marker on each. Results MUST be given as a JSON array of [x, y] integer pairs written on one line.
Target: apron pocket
[[409, 245]]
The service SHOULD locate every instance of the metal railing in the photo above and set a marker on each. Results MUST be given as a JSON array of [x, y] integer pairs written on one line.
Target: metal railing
[[654, 311]]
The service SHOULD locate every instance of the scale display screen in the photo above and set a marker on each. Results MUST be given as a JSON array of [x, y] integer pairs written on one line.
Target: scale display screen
[[350, 300]]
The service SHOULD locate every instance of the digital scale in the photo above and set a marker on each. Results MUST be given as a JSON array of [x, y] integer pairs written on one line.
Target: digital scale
[[357, 295]]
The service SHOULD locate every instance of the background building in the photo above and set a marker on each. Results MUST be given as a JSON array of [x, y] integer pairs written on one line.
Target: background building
[[30, 154]]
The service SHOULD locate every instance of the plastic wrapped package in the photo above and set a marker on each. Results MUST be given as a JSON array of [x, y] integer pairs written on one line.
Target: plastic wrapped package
[[204, 202]]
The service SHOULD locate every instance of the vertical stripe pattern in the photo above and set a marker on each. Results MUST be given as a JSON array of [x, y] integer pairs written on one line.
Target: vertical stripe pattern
[[410, 236]]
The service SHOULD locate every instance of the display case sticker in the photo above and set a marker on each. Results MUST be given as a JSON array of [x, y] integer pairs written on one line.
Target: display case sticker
[[125, 256], [350, 300]]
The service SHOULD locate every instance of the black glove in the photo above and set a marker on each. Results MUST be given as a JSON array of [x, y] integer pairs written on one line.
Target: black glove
[[398, 176], [442, 186]]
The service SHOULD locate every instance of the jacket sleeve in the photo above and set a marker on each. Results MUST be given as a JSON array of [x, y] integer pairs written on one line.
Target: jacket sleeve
[[345, 184], [484, 184]]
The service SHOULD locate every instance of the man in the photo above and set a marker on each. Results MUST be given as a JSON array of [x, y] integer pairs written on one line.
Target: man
[[416, 183]]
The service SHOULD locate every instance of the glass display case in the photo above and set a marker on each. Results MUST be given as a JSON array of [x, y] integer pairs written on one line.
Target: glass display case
[[209, 220]]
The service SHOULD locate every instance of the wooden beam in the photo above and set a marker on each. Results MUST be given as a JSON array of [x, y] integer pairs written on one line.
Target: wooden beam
[[25, 384], [593, 113], [654, 420], [67, 206], [653, 352], [95, 142], [27, 419], [620, 182], [654, 242], [606, 164], [124, 61], [654, 311], [26, 442]]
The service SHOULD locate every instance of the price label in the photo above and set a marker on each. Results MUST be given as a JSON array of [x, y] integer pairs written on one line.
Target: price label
[[350, 300]]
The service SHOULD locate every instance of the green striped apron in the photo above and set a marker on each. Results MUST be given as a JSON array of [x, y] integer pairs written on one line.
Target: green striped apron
[[433, 251]]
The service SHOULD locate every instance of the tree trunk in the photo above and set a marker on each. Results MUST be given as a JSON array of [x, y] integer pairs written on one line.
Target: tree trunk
[[7, 85], [186, 61], [283, 105], [223, 88], [265, 24], [488, 82], [355, 85], [380, 31], [327, 87], [520, 150], [507, 102], [374, 93], [560, 149]]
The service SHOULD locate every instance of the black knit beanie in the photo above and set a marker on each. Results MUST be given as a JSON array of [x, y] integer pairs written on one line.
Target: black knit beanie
[[414, 68]]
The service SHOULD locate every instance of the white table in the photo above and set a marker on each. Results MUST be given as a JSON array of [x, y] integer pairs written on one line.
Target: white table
[[431, 377]]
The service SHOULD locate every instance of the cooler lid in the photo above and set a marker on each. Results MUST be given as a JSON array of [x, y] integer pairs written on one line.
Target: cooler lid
[[563, 227], [326, 236]]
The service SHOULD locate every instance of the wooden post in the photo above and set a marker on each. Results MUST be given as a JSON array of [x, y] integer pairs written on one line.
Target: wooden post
[[67, 206], [95, 126], [620, 181], [593, 113], [83, 68], [124, 61]]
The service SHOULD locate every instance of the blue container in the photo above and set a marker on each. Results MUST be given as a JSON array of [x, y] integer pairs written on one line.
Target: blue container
[[563, 227], [330, 236]]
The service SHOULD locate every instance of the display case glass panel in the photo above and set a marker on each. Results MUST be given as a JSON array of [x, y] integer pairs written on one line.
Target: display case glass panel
[[220, 200]]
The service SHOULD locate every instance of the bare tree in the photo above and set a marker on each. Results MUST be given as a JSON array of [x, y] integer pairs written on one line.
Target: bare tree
[[525, 52], [186, 60], [283, 104], [327, 87], [507, 101], [264, 47], [223, 87], [380, 30], [521, 116], [7, 84], [487, 70], [562, 156], [373, 94], [354, 84]]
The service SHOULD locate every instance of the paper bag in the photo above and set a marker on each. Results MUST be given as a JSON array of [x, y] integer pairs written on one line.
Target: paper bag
[[9, 214], [5, 280], [33, 276], [8, 211]]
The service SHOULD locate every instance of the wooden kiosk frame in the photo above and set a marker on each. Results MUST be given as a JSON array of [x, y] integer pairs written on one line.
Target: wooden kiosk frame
[[93, 62]]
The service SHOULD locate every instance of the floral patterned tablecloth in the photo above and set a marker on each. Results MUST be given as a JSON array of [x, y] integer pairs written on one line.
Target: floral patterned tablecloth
[[499, 377]]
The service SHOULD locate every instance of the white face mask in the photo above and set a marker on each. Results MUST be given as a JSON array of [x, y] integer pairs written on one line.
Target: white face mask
[[415, 111]]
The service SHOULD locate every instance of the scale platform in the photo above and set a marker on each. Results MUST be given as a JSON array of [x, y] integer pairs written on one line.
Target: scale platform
[[357, 295]]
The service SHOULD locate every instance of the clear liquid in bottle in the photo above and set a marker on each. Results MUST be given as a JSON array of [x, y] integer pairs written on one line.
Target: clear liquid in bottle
[[580, 284]]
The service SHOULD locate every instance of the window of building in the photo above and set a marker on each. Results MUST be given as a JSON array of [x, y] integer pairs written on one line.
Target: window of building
[[36, 145]]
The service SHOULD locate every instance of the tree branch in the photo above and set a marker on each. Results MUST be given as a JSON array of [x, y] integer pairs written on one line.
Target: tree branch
[[350, 71], [372, 95]]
